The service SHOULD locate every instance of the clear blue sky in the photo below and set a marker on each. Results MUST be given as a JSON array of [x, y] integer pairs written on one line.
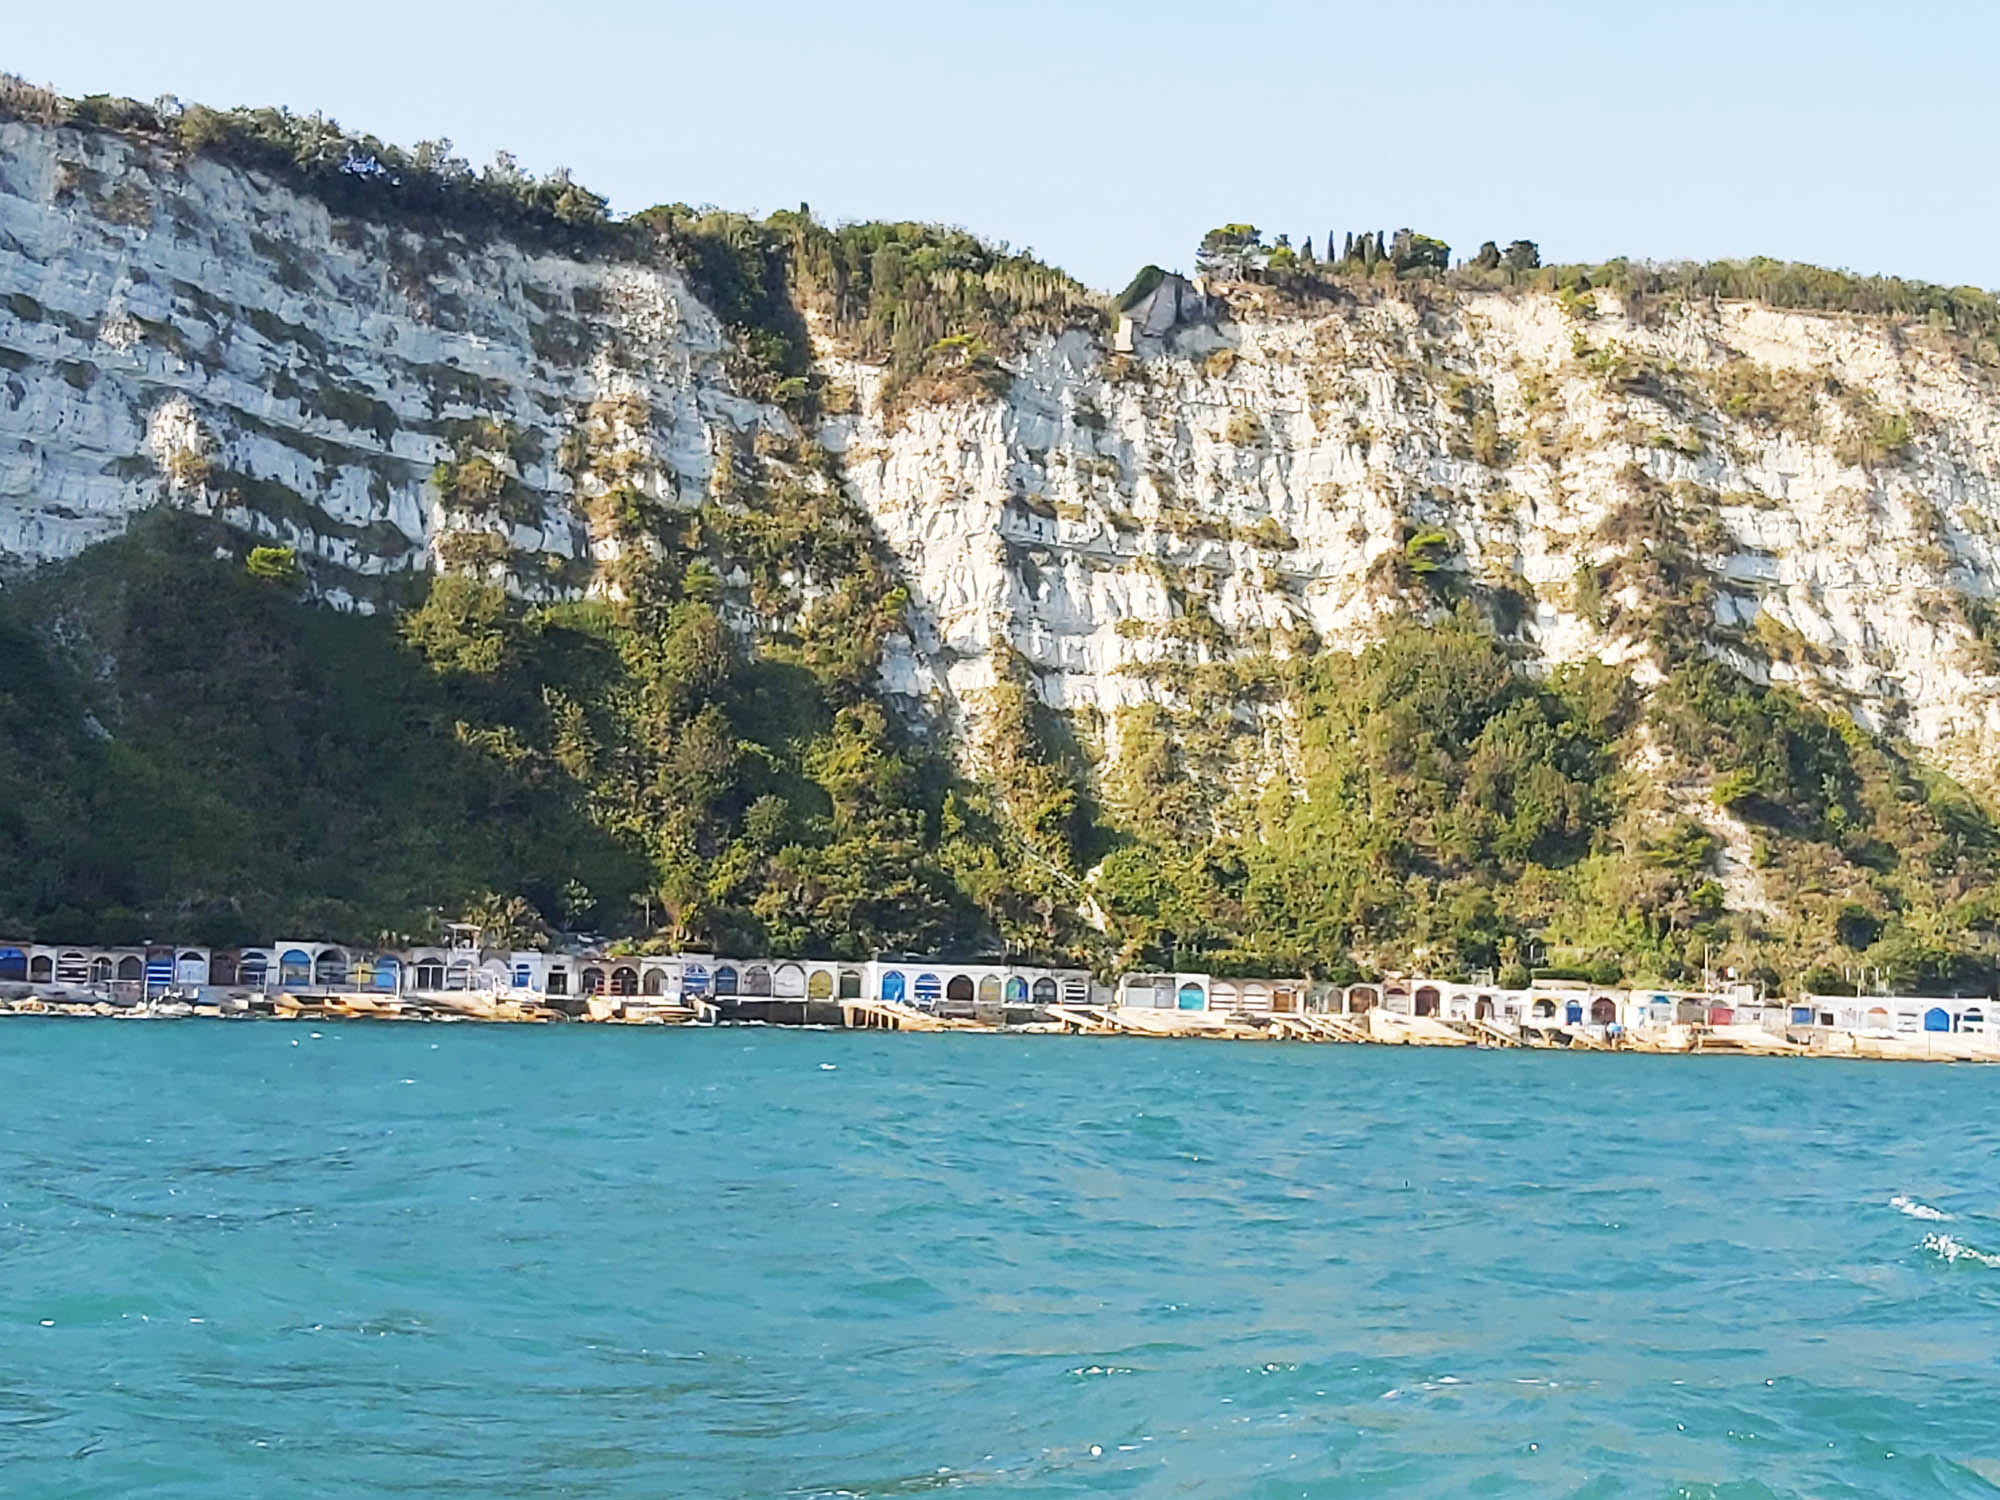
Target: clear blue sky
[[1105, 135]]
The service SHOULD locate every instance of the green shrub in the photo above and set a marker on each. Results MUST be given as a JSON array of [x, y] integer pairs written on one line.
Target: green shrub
[[274, 564]]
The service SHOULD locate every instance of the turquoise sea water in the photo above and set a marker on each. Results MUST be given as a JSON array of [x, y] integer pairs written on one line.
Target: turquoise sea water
[[268, 1260]]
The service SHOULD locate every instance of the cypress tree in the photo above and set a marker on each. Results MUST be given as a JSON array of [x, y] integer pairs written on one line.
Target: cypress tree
[[1347, 248]]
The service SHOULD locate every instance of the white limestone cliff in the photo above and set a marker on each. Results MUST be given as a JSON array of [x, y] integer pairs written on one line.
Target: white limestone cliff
[[176, 331], [1270, 470]]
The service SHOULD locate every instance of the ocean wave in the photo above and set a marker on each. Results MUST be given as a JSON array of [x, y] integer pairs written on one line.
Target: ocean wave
[[1916, 1210], [1950, 1251]]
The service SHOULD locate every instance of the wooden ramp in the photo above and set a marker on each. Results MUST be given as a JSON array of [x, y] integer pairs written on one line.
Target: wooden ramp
[[1492, 1035], [1298, 1029], [1414, 1031], [1330, 1028], [890, 1015], [1089, 1022]]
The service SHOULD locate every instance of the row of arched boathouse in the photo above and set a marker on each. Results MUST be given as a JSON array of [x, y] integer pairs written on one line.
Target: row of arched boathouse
[[789, 988]]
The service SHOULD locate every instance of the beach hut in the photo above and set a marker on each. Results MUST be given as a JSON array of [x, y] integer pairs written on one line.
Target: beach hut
[[13, 964], [330, 968]]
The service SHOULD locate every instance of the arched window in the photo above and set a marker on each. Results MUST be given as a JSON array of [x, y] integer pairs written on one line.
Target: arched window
[[1427, 1000], [624, 981], [100, 970], [1076, 991], [1543, 1010], [1017, 990], [928, 990], [959, 988], [1193, 997], [1720, 1015], [41, 969], [191, 968], [788, 982], [1573, 1013], [72, 967], [253, 970], [294, 969], [725, 981], [850, 984], [1972, 1020], [694, 979], [558, 981], [654, 982], [13, 964], [1482, 1008], [1877, 1018], [892, 985], [757, 980], [362, 975], [1362, 998], [388, 971], [131, 968], [989, 990], [1045, 991], [430, 974], [1937, 1018], [593, 981], [1257, 997], [458, 974], [819, 985], [330, 968], [1603, 1010]]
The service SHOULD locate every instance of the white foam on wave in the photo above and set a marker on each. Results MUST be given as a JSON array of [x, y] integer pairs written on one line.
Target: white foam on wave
[[1950, 1251], [1916, 1210]]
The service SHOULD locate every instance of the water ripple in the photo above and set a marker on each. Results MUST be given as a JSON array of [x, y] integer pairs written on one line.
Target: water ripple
[[648, 1264]]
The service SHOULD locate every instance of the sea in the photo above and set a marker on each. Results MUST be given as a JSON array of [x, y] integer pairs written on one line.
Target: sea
[[269, 1259]]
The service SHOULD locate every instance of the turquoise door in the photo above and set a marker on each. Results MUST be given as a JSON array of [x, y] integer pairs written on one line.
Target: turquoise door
[[1192, 997]]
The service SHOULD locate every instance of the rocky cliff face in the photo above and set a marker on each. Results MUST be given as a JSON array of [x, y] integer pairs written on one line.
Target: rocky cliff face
[[1275, 477], [1811, 496], [175, 331]]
